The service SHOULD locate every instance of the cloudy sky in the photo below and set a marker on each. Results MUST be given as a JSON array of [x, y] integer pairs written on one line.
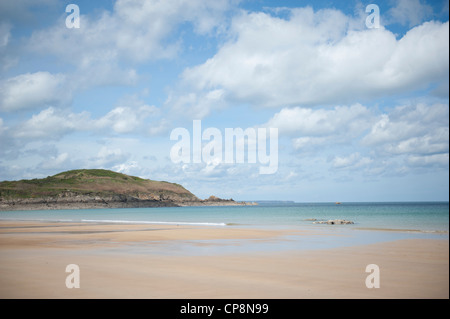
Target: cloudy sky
[[362, 113]]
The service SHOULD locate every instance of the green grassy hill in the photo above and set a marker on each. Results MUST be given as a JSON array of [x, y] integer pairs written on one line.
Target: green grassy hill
[[93, 182]]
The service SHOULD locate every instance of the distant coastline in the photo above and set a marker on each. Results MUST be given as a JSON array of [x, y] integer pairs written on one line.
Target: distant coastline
[[274, 201]]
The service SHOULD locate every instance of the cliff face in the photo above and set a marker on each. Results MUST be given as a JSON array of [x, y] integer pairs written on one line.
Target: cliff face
[[96, 188]]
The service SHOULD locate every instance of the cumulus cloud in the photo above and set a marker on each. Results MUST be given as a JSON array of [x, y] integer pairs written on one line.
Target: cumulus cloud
[[311, 129], [134, 31], [129, 168], [414, 135], [53, 123], [413, 129], [352, 161], [108, 46], [55, 162], [435, 160], [316, 58], [196, 105], [50, 123], [321, 122], [379, 142], [107, 158], [409, 13], [124, 119], [32, 90]]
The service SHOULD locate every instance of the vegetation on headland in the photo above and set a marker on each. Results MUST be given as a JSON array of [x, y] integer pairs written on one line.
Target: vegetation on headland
[[84, 188], [90, 181]]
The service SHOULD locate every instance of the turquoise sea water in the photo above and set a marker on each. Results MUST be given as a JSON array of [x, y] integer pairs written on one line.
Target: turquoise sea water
[[373, 222], [423, 217]]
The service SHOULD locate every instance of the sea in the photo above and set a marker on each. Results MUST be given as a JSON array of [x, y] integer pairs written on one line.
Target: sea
[[372, 222]]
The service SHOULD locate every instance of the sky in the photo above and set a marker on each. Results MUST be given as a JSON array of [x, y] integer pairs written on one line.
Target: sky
[[359, 99]]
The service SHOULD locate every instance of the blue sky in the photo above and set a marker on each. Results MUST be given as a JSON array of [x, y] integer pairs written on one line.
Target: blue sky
[[362, 113]]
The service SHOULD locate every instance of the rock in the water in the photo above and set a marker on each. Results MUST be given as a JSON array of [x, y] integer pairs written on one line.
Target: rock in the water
[[335, 222]]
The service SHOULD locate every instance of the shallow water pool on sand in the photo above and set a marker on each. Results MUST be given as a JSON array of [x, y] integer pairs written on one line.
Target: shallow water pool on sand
[[301, 241]]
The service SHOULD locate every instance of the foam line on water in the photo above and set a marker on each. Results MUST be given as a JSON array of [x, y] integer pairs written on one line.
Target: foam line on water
[[115, 221], [151, 222]]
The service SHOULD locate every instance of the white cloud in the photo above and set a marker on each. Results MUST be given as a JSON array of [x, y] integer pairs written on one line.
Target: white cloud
[[353, 161], [307, 141], [416, 129], [317, 58], [125, 119], [435, 160], [312, 130], [409, 13], [434, 142], [32, 90], [321, 122], [135, 31], [55, 162], [51, 123], [108, 46], [107, 158], [419, 58], [128, 168], [197, 106], [395, 141]]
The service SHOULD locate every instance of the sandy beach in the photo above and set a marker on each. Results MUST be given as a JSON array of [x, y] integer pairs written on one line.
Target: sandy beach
[[146, 261]]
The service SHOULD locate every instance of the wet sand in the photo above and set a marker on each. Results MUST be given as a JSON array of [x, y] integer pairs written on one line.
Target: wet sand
[[135, 261]]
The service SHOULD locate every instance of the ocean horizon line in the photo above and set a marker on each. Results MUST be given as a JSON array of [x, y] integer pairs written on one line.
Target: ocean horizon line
[[343, 202]]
